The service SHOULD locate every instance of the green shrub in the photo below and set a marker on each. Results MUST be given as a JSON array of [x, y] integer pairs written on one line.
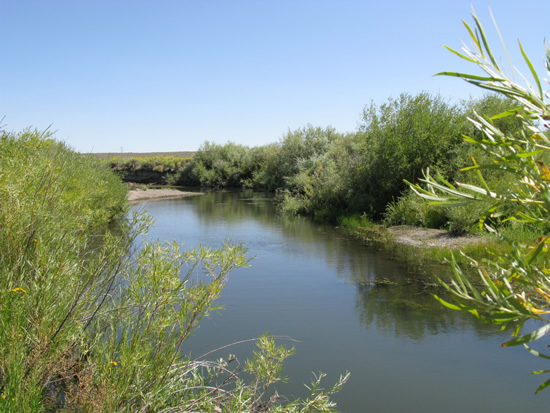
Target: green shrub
[[297, 152], [217, 166], [400, 139]]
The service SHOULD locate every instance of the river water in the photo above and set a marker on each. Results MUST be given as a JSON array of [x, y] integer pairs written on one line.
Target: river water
[[349, 306]]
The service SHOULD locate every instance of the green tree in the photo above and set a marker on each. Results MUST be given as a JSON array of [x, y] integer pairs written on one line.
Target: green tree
[[515, 287]]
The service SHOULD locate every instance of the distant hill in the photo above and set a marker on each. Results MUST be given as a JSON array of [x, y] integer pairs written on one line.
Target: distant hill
[[127, 155]]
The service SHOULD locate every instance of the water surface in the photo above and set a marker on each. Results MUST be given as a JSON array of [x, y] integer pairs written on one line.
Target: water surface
[[351, 307]]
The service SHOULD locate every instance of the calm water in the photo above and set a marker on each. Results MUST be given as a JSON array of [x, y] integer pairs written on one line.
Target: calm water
[[350, 307]]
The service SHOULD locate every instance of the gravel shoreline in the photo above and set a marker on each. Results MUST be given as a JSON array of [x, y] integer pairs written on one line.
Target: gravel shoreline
[[137, 195]]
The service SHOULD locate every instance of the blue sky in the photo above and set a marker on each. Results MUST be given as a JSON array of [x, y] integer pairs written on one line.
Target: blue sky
[[166, 75]]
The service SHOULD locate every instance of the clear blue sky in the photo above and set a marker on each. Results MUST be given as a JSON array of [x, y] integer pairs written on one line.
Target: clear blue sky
[[166, 75]]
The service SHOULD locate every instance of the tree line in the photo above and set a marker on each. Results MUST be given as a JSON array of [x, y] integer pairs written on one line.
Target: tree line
[[328, 175]]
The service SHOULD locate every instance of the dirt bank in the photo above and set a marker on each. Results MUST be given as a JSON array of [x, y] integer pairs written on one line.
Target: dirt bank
[[137, 195], [425, 237]]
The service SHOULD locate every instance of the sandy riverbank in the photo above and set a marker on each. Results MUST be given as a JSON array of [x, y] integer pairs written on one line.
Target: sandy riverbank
[[137, 195], [430, 238]]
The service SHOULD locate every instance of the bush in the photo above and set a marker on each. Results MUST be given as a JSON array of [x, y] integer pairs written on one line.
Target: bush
[[217, 166], [400, 139], [409, 209], [297, 153]]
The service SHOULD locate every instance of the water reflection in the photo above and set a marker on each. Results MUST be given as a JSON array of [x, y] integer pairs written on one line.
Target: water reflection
[[390, 295], [352, 307]]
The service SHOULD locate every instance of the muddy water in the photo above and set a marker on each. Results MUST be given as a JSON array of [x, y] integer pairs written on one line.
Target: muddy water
[[349, 307]]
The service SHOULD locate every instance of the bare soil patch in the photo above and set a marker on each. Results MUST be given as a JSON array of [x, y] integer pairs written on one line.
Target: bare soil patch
[[430, 238]]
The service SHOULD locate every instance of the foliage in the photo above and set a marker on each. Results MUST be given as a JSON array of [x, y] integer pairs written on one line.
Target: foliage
[[325, 189], [220, 165], [155, 163], [513, 287], [400, 139], [88, 323], [163, 167], [326, 175], [297, 152], [409, 209], [363, 172]]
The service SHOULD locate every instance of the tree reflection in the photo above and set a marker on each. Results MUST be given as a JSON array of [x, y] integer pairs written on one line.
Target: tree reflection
[[393, 295]]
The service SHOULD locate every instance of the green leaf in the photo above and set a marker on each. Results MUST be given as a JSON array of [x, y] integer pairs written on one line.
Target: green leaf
[[473, 77], [528, 154], [483, 191], [448, 305], [459, 55], [533, 72], [537, 354], [485, 42], [504, 318], [472, 35], [527, 338], [543, 386], [510, 112]]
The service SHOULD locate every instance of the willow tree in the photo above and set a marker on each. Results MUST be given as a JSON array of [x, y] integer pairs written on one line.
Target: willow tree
[[515, 287]]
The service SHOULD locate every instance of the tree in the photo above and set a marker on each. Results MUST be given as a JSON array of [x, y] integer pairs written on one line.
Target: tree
[[515, 287]]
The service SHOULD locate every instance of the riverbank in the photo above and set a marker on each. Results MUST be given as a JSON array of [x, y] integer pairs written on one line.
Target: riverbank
[[138, 195], [431, 238], [423, 247]]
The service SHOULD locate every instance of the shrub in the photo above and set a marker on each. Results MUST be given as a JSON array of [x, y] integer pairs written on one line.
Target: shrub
[[400, 139], [297, 152]]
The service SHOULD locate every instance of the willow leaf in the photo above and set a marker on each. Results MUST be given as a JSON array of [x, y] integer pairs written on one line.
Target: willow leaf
[[527, 338], [543, 386], [473, 77], [448, 190], [472, 35], [459, 55], [485, 42], [528, 154], [500, 89], [538, 354], [510, 112], [449, 305], [533, 72], [477, 189]]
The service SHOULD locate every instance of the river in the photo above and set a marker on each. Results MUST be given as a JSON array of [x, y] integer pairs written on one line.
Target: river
[[350, 307]]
